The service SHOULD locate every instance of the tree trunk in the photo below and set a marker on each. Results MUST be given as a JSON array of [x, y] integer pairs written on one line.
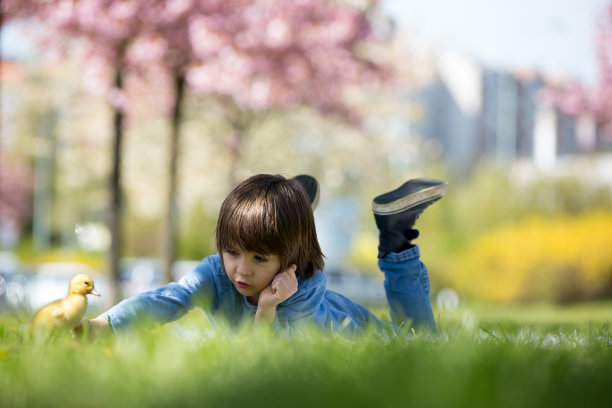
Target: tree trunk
[[116, 201], [240, 121], [235, 148], [172, 210]]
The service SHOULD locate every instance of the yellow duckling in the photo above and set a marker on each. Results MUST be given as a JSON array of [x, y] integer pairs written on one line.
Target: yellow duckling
[[64, 314]]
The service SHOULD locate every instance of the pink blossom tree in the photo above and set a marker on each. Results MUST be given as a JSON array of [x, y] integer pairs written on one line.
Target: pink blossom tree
[[103, 30], [576, 99], [261, 56], [601, 96], [163, 52], [15, 192], [254, 56]]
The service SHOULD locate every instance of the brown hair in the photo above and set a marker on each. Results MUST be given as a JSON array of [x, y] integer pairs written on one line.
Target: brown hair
[[270, 214]]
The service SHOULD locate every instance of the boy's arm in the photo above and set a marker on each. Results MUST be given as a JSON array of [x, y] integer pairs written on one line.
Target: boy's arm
[[159, 306]]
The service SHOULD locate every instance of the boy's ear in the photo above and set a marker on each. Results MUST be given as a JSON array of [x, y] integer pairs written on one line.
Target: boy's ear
[[291, 265]]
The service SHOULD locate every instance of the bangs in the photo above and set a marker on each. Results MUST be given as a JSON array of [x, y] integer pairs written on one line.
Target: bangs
[[251, 226]]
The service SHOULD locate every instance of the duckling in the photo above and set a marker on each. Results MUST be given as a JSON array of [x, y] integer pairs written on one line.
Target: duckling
[[64, 314]]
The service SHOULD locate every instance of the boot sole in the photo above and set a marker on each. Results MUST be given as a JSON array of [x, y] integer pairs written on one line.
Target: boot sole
[[405, 197]]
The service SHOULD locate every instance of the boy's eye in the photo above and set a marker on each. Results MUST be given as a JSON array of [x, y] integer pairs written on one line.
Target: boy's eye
[[260, 258], [232, 252]]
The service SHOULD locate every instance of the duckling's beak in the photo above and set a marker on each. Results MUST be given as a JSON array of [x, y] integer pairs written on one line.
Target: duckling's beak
[[94, 292]]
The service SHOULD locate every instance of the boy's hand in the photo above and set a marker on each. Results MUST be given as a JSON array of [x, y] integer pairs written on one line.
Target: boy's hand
[[283, 286], [94, 328]]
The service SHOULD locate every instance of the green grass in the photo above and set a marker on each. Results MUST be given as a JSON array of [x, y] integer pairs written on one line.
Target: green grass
[[543, 316], [561, 358]]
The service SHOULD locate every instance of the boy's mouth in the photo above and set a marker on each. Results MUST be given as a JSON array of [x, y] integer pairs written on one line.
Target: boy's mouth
[[242, 285]]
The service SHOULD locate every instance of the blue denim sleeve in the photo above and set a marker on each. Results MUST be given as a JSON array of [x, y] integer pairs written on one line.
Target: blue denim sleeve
[[167, 303]]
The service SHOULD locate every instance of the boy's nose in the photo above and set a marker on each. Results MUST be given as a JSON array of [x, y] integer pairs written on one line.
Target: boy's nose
[[242, 267]]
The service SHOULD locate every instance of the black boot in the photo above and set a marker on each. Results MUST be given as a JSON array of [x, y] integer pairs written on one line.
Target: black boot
[[396, 212], [311, 186]]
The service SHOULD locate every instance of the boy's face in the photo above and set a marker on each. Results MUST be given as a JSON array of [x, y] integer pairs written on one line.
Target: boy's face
[[250, 272]]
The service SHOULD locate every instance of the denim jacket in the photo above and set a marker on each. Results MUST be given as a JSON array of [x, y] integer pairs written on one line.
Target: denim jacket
[[207, 286]]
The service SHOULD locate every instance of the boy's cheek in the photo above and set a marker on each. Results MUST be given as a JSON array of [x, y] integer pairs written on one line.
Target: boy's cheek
[[265, 285]]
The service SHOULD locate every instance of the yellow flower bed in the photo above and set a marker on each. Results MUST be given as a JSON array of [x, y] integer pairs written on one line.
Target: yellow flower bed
[[555, 259]]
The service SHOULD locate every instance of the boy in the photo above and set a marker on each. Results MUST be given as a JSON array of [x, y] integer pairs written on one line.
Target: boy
[[268, 269]]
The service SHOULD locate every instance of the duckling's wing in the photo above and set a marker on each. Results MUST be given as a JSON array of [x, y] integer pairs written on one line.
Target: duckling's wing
[[57, 313], [49, 316]]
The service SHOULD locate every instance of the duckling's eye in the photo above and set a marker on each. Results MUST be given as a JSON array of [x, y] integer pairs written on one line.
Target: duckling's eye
[[86, 283]]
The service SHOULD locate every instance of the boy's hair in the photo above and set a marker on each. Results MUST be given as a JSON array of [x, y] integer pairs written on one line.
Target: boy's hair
[[270, 214]]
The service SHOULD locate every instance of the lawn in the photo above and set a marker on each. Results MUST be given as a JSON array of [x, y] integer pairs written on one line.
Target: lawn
[[484, 356]]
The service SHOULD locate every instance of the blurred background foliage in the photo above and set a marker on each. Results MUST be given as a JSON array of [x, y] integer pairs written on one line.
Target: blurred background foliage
[[496, 240]]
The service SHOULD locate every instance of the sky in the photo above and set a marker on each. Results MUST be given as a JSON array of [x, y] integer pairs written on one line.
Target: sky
[[555, 37]]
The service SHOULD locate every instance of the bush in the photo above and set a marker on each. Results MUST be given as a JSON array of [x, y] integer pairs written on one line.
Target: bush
[[561, 258]]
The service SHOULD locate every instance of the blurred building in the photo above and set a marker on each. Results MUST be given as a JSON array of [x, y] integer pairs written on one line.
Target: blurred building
[[474, 114]]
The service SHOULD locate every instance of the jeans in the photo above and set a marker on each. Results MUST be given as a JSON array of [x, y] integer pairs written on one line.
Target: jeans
[[407, 287]]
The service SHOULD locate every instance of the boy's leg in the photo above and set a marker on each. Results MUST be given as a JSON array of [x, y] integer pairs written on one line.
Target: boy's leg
[[406, 277], [407, 288]]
